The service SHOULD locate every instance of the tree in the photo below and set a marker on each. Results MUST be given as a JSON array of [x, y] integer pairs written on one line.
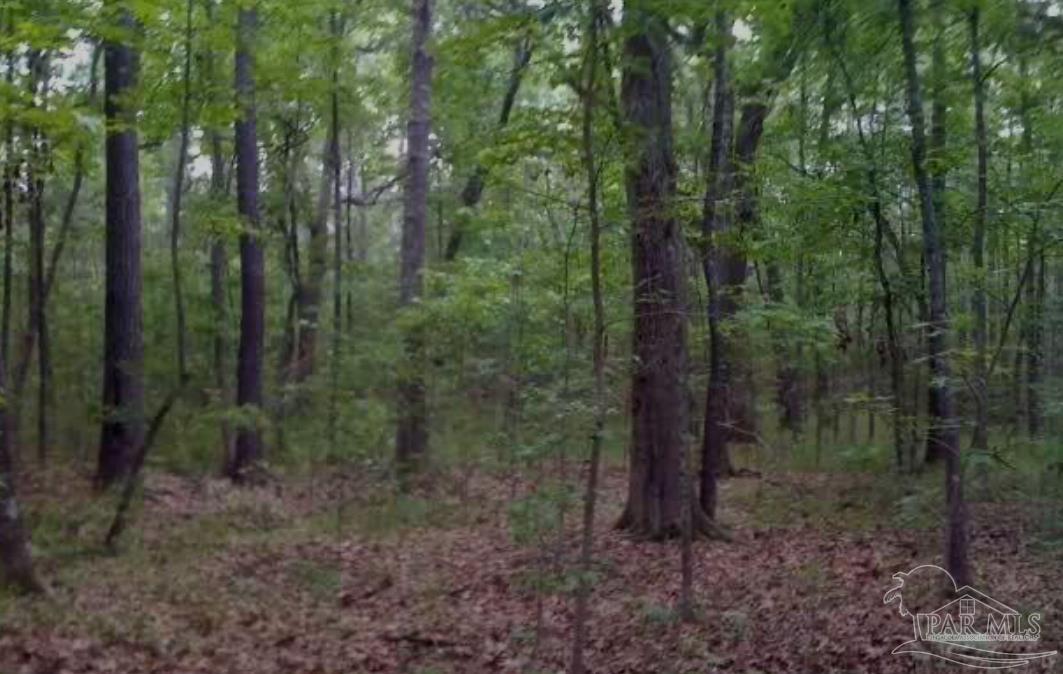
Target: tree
[[310, 290], [9, 201], [178, 194], [123, 386], [980, 439], [659, 360], [589, 91], [716, 222], [336, 31], [16, 565], [219, 263], [937, 166], [39, 65], [411, 442], [946, 434], [248, 448]]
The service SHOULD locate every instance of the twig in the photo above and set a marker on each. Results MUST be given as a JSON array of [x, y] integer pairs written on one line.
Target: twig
[[372, 196], [130, 487]]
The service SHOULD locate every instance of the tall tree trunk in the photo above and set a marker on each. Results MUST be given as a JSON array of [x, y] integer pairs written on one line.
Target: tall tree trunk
[[980, 439], [787, 381], [658, 388], [788, 394], [1035, 286], [43, 277], [411, 442], [742, 405], [349, 230], [934, 254], [37, 326], [1034, 347], [123, 384], [289, 161], [589, 93], [310, 290], [336, 24], [883, 231], [16, 565], [219, 267], [10, 169], [938, 170], [219, 275], [178, 190], [1020, 392], [248, 448], [361, 250], [715, 222]]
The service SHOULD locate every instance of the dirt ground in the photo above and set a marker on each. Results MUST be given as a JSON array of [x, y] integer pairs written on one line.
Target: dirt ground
[[331, 577]]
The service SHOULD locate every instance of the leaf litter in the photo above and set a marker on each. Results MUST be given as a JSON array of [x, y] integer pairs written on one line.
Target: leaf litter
[[333, 577]]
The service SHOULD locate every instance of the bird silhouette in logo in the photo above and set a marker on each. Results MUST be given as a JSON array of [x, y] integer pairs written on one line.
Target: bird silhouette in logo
[[942, 630]]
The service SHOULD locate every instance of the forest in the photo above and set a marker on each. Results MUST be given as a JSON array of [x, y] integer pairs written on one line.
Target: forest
[[456, 336]]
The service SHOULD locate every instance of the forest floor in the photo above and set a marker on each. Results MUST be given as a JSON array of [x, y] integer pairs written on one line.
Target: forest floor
[[332, 576]]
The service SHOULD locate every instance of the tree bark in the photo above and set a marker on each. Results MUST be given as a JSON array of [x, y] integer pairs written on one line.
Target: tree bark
[[787, 379], [248, 450], [37, 320], [219, 269], [411, 442], [741, 403], [980, 439], [658, 388], [715, 222], [16, 564], [123, 385], [589, 93], [310, 289], [42, 277], [289, 161], [336, 24], [788, 394], [178, 190], [1034, 346], [10, 170], [349, 256], [938, 169], [946, 436]]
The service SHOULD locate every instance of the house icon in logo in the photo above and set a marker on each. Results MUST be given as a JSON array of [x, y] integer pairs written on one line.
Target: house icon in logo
[[969, 616]]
